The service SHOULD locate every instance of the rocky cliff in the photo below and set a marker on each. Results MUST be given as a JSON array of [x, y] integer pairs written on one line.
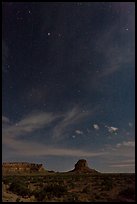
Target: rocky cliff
[[18, 167], [82, 167]]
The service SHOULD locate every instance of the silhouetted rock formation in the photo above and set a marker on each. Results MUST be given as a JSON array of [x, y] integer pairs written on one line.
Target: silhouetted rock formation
[[24, 167], [82, 167]]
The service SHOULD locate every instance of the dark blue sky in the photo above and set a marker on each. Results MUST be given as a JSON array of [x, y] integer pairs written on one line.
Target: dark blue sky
[[68, 84]]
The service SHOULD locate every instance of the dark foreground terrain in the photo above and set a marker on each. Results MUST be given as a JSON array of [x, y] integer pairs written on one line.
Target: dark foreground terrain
[[68, 187]]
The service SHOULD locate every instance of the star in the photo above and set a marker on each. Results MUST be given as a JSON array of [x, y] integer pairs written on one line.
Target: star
[[49, 34], [126, 29]]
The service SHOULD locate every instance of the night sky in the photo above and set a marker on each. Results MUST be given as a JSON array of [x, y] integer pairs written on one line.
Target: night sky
[[68, 84]]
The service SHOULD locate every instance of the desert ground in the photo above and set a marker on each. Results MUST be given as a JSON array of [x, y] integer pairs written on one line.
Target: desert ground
[[68, 187]]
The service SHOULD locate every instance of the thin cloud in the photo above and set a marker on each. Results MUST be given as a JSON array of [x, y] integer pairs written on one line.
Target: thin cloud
[[130, 124], [112, 129], [39, 120], [122, 165], [25, 148], [72, 117], [117, 55], [29, 124], [73, 136], [127, 162], [96, 127], [126, 144], [119, 156], [125, 149], [32, 122], [79, 132], [5, 119]]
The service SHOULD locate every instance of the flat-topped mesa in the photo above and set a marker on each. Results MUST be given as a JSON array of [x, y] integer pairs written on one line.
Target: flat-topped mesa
[[24, 167], [82, 167]]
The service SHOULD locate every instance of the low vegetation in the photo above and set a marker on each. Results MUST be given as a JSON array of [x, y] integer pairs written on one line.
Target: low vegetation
[[71, 187], [19, 187], [50, 191]]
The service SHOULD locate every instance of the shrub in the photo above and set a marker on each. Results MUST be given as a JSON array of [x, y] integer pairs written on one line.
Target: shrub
[[107, 184], [128, 193], [73, 197], [19, 187], [18, 200], [50, 191], [87, 189], [8, 179]]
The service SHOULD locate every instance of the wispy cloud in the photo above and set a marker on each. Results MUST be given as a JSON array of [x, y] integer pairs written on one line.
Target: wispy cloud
[[39, 120], [73, 116], [120, 157], [96, 127], [122, 165], [116, 55], [124, 161], [126, 144], [27, 125], [130, 124], [32, 122], [79, 132], [25, 148], [112, 129], [121, 152], [5, 120]]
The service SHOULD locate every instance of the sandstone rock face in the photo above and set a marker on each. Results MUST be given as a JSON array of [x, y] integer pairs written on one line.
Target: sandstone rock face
[[82, 167], [24, 167], [81, 164]]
